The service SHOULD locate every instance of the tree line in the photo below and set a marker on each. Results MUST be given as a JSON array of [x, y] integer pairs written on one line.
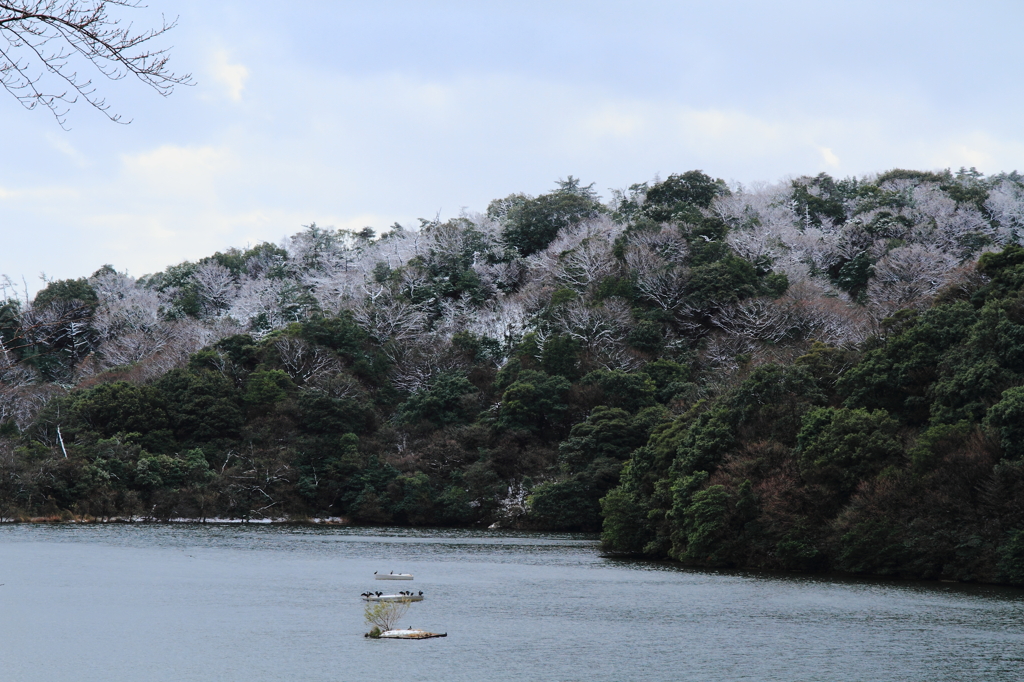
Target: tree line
[[818, 374]]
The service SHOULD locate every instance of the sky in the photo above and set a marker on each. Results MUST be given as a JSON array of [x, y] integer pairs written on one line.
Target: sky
[[356, 114]]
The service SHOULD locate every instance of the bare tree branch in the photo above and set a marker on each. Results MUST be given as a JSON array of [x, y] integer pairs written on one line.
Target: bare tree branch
[[44, 42]]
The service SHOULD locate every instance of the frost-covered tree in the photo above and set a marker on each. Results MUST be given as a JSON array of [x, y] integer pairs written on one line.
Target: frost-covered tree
[[217, 287]]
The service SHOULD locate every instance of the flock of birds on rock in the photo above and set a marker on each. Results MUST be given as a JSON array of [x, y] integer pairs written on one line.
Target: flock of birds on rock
[[380, 594]]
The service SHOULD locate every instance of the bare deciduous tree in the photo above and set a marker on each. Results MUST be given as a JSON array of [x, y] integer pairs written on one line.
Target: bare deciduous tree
[[504, 319], [127, 321], [820, 312], [183, 338], [131, 347], [338, 385], [656, 259], [941, 222], [600, 329], [21, 404], [756, 318], [63, 328], [585, 265], [254, 482], [258, 305], [908, 276], [387, 319], [500, 276], [217, 287], [1005, 203], [304, 362], [416, 362], [44, 45]]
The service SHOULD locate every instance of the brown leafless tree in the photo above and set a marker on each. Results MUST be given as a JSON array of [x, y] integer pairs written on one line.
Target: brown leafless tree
[[48, 48]]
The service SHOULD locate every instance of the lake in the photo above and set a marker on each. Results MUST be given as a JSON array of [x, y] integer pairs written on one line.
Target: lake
[[183, 602]]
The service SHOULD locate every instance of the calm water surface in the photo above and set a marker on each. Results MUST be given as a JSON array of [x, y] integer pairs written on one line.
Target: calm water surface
[[175, 603]]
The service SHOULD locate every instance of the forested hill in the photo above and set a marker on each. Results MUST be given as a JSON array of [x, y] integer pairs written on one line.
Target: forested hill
[[818, 375]]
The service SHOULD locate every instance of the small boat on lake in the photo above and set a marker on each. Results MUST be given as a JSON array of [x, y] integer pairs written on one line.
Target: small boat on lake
[[392, 576], [392, 597]]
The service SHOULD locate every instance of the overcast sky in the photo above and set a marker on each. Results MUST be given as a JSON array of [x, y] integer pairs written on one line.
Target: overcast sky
[[353, 114]]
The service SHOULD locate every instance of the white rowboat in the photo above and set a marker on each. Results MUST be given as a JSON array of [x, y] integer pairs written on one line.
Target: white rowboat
[[392, 576]]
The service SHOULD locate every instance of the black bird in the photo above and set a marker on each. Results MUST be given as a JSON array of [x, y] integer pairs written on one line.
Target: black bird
[[421, 593], [375, 572]]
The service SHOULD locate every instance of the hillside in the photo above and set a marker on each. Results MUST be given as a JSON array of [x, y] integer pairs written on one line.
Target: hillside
[[815, 375]]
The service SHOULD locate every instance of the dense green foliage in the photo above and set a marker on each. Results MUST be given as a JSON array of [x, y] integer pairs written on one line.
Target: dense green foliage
[[530, 224], [907, 463], [840, 388]]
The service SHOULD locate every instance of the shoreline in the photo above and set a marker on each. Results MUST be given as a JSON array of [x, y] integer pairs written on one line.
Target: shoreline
[[86, 520]]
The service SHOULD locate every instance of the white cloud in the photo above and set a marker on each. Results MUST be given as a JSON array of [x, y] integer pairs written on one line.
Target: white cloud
[[985, 151], [829, 157], [721, 124], [45, 197], [231, 76], [613, 122], [174, 173], [64, 146]]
